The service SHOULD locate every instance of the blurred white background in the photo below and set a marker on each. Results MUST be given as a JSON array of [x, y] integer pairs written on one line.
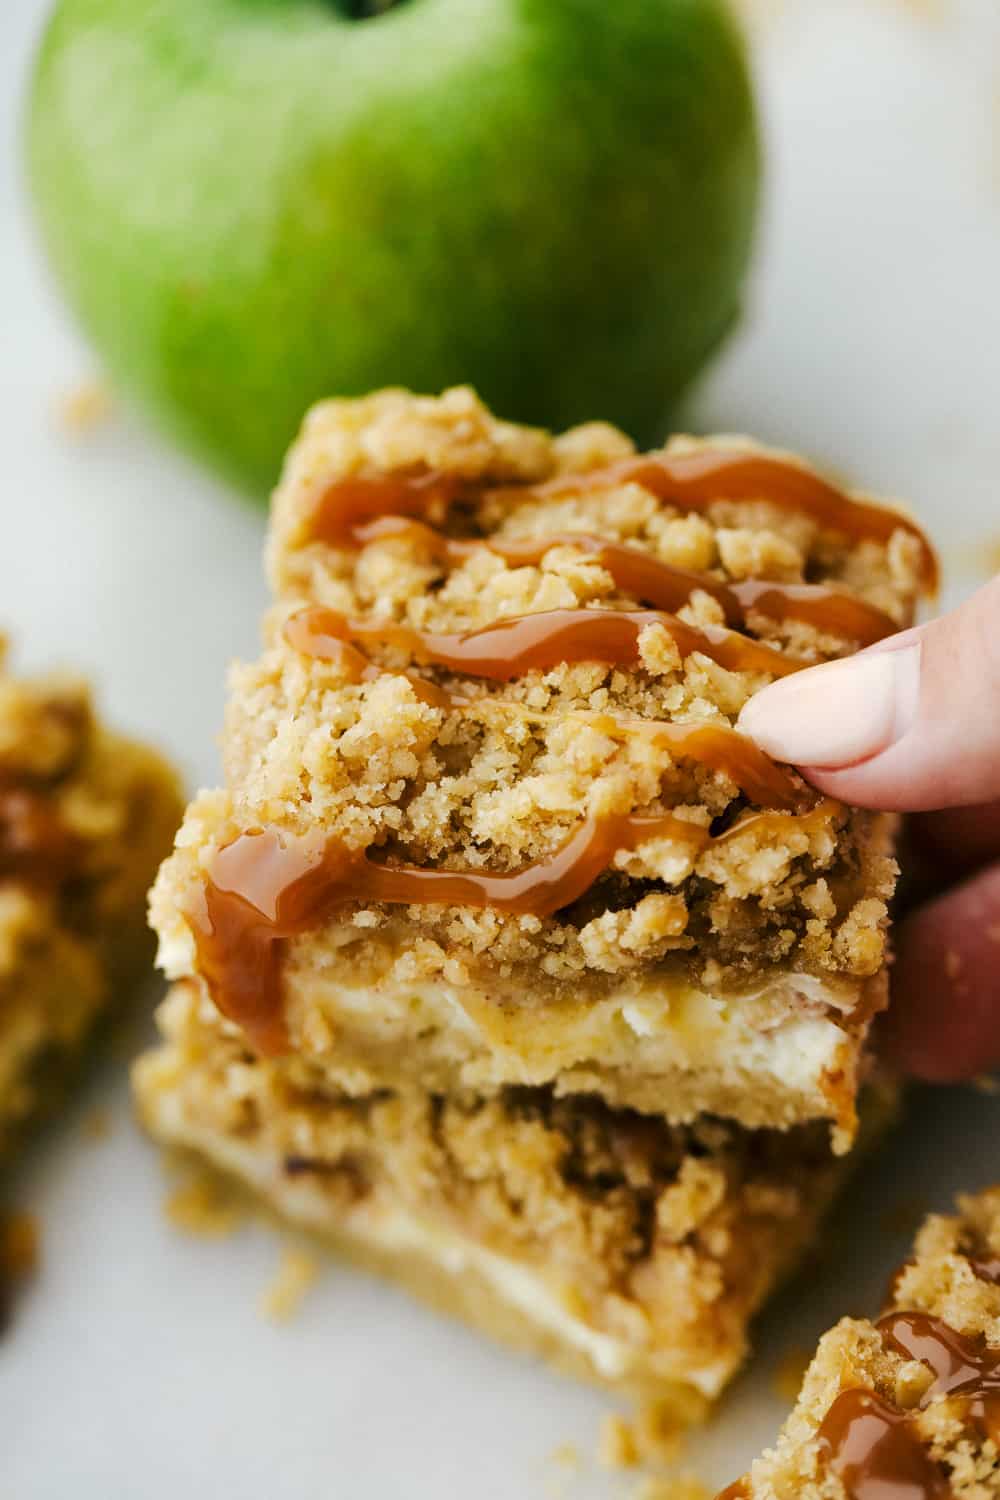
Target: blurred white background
[[138, 1365]]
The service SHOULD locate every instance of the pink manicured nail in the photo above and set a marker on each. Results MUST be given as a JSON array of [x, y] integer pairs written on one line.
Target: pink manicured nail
[[839, 713]]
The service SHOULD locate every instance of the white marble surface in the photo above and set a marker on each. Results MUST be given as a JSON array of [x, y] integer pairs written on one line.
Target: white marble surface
[[138, 1366]]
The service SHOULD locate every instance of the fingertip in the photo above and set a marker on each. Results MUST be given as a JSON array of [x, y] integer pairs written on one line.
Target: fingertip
[[838, 712], [876, 784]]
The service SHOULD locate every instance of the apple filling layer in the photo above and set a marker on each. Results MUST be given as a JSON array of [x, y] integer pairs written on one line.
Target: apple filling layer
[[628, 1249]]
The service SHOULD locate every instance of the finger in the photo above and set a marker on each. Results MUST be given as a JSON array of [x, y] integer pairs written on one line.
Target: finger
[[944, 1020], [910, 724], [958, 839]]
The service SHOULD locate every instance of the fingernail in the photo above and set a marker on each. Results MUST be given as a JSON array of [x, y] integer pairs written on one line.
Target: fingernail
[[839, 713]]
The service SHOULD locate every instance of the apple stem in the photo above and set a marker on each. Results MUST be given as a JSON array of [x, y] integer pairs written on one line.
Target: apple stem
[[367, 10]]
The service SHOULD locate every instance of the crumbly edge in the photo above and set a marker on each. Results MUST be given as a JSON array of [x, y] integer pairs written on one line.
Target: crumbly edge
[[69, 946], [663, 1239], [494, 788], [938, 1280]]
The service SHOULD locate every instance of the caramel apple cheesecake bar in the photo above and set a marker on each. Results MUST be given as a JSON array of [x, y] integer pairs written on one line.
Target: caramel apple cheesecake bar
[[487, 821], [908, 1407], [85, 817], [502, 958]]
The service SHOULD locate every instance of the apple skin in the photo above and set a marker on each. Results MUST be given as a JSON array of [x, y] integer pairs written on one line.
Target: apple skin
[[251, 204]]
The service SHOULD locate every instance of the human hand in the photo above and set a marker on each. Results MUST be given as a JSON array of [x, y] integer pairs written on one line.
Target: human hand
[[913, 725]]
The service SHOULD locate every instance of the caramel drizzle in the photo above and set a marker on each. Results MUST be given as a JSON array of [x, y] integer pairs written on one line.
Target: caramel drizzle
[[325, 635], [270, 885], [316, 632], [35, 845], [696, 481], [872, 1444], [536, 642], [654, 582], [687, 481], [721, 749]]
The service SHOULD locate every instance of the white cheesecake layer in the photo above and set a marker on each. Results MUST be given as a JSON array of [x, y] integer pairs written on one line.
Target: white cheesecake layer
[[778, 1052]]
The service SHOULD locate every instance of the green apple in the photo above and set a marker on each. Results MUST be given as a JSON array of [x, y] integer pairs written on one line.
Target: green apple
[[250, 204]]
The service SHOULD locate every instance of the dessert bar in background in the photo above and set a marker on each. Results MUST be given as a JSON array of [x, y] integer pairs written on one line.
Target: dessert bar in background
[[491, 853], [85, 817], [908, 1407]]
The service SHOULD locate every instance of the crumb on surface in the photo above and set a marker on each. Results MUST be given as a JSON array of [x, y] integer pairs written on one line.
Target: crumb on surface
[[563, 1467], [205, 1203], [566, 1456], [86, 407], [617, 1447], [759, 16], [97, 1125], [658, 1431], [297, 1273], [625, 1445], [924, 10]]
